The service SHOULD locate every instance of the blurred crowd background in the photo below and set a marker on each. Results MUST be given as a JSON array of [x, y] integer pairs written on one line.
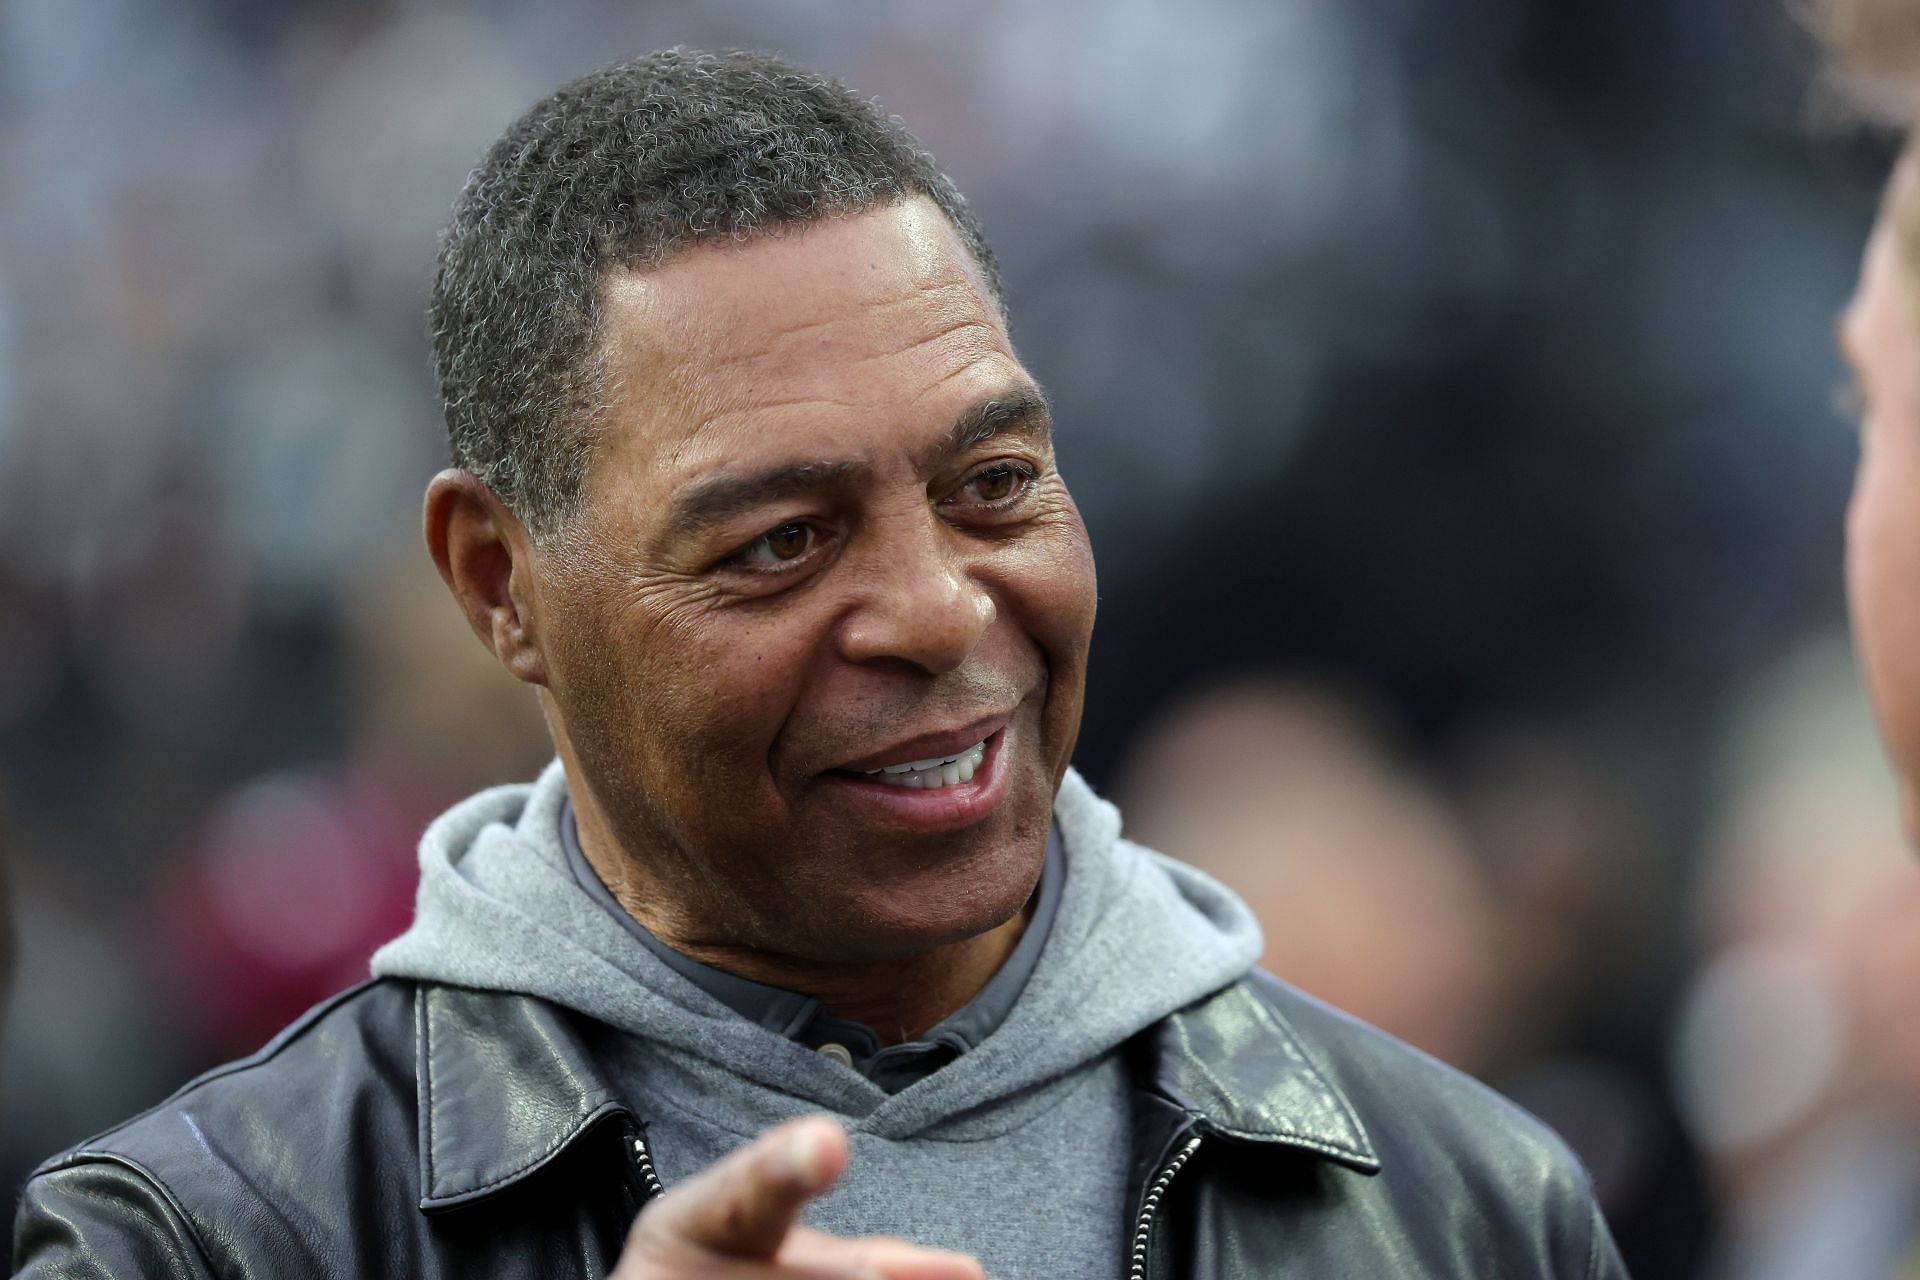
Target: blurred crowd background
[[1446, 383]]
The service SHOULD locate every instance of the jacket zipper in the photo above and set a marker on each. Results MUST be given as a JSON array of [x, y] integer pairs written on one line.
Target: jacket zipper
[[1150, 1207], [643, 1165]]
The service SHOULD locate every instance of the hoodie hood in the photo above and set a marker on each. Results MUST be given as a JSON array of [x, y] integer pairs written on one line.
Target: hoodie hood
[[1137, 936]]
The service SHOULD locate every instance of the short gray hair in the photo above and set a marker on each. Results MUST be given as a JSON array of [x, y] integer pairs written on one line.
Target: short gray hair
[[617, 170]]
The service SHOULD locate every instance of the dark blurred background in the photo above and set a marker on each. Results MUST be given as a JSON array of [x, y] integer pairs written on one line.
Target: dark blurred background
[[1447, 385]]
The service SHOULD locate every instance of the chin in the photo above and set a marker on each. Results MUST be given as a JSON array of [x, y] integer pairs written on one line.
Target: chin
[[962, 895]]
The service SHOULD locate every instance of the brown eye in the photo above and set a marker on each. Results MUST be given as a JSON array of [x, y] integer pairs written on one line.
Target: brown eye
[[999, 485], [788, 541], [996, 485], [778, 547]]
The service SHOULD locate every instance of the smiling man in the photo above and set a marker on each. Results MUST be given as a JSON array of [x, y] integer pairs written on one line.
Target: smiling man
[[810, 955], [815, 639]]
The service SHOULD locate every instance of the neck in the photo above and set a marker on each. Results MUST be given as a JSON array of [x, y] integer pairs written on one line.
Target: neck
[[900, 996]]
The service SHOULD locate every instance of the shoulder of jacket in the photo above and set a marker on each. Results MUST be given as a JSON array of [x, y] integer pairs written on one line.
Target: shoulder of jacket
[[358, 1038], [1425, 1116]]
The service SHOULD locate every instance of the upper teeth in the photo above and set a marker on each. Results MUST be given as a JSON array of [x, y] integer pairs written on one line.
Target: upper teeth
[[940, 771]]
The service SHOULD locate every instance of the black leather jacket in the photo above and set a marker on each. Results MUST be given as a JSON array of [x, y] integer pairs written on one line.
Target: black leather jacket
[[407, 1129]]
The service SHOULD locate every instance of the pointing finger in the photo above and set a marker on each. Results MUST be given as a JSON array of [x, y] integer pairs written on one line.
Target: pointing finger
[[744, 1205]]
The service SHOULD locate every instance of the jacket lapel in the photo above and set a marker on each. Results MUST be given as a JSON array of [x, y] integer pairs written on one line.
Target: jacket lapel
[[1235, 1065], [505, 1087]]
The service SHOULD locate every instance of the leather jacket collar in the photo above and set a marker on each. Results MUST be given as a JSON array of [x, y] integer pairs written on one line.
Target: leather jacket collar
[[1216, 1060], [506, 1085]]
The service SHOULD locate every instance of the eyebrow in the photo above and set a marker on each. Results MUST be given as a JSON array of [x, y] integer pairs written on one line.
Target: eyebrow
[[1023, 409], [718, 498], [715, 499]]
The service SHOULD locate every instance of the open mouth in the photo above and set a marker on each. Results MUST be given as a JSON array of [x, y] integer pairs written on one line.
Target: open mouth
[[957, 788], [933, 774]]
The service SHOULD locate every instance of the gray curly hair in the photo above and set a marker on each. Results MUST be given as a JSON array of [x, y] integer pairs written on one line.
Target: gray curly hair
[[617, 170]]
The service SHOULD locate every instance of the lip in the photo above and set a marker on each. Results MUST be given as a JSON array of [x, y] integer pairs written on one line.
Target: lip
[[928, 746], [943, 809]]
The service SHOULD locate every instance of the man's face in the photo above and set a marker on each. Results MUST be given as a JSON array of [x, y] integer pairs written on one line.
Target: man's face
[[1882, 344], [822, 536]]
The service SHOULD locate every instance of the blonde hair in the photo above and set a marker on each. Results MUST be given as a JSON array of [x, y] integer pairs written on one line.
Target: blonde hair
[[1873, 38], [1874, 51]]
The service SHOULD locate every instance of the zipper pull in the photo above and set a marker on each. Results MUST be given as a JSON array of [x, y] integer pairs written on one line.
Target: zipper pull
[[643, 1166]]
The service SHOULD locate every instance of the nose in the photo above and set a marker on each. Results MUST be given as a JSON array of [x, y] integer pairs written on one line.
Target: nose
[[919, 602]]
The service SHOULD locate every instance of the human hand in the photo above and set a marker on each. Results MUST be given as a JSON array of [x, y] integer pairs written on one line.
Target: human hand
[[735, 1221]]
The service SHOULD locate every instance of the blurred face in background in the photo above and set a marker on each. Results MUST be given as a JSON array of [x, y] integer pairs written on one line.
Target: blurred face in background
[[1286, 792], [1881, 343]]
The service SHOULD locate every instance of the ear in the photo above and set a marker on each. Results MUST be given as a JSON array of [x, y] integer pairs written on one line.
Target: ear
[[485, 557]]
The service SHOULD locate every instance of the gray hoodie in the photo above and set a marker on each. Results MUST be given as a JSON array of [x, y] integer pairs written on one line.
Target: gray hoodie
[[1015, 1152]]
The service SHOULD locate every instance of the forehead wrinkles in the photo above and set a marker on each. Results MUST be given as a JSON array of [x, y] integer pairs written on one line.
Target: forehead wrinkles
[[729, 344], [720, 372], [870, 313]]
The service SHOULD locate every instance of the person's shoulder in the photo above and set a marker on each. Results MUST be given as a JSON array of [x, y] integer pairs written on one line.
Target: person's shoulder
[[236, 1151], [351, 1052], [251, 1138], [1426, 1119], [1436, 1173], [357, 1143]]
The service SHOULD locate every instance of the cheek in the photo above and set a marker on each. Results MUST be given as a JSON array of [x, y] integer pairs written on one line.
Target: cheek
[[1051, 590], [1051, 586], [689, 693], [726, 685], [1883, 589]]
